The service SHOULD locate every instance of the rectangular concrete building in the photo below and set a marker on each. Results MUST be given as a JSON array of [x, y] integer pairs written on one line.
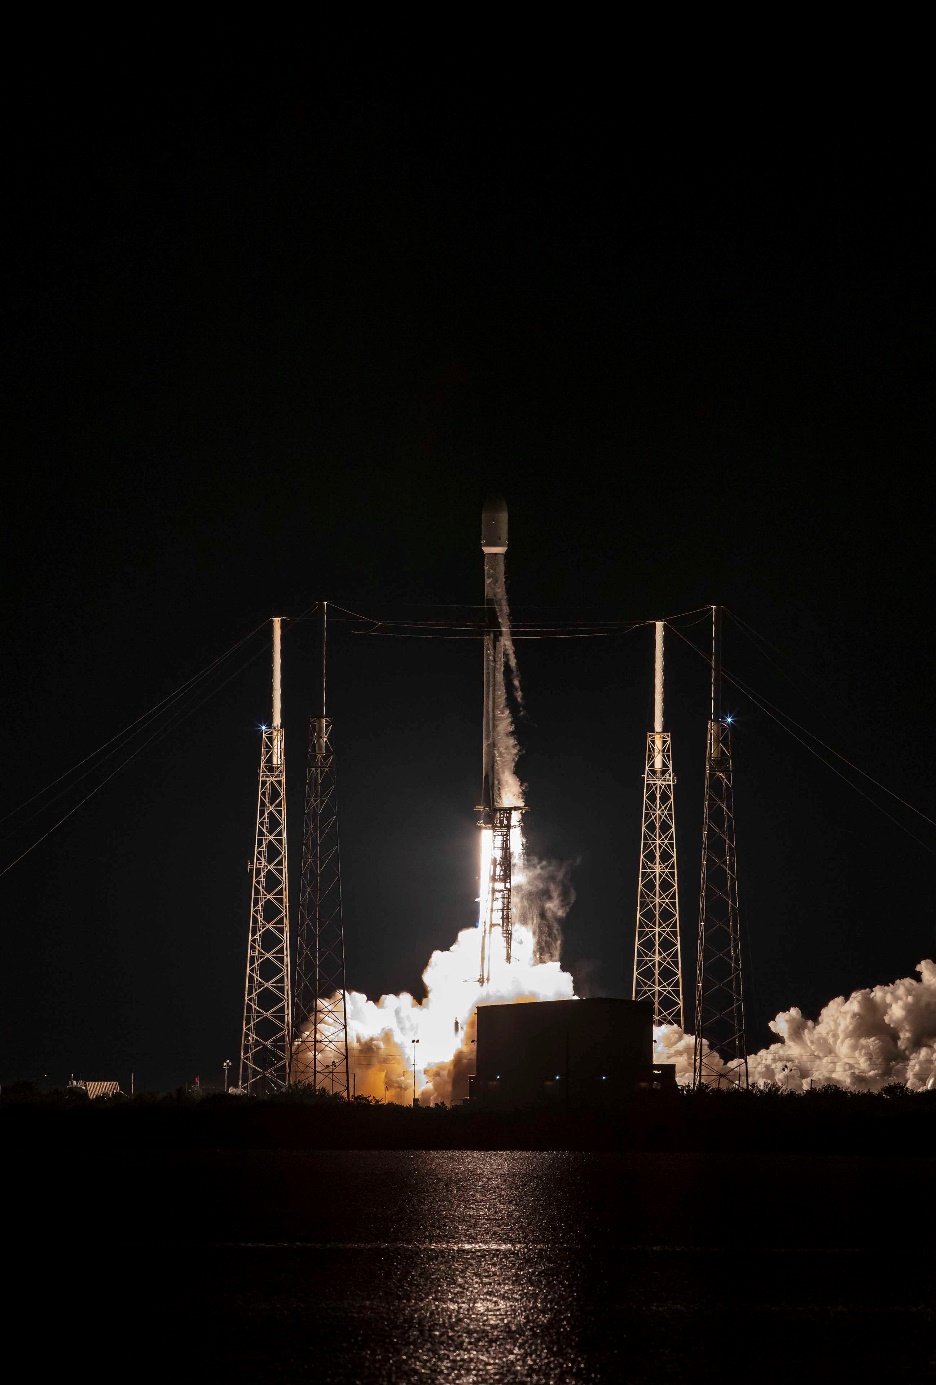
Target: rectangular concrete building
[[562, 1054]]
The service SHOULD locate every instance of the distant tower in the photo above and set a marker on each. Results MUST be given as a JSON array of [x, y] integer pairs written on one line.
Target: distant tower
[[265, 1044], [719, 1003], [657, 969], [497, 820], [321, 1045]]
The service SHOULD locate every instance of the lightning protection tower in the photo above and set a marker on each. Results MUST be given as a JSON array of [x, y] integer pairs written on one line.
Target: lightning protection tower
[[265, 1043], [321, 1042], [719, 1001], [657, 968]]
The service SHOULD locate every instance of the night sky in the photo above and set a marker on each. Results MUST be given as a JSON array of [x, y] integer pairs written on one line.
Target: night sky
[[275, 329]]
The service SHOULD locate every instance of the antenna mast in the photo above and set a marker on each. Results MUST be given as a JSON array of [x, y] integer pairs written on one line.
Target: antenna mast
[[320, 1007], [265, 1039], [657, 965], [720, 1053]]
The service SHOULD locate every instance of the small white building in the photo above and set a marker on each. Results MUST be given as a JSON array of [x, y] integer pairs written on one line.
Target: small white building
[[96, 1089]]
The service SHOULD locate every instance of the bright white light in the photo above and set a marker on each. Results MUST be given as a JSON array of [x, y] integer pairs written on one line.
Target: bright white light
[[729, 720]]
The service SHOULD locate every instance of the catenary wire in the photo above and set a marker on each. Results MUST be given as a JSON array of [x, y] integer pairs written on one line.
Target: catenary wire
[[776, 715], [140, 721], [180, 716], [521, 630], [839, 756]]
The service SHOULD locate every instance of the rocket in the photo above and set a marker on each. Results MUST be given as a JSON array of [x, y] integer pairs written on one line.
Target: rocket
[[494, 546], [494, 526]]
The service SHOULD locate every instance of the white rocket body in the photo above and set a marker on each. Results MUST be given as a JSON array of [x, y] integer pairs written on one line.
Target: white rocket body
[[494, 546]]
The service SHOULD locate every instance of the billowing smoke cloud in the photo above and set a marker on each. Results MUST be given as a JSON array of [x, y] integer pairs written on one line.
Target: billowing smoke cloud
[[381, 1033], [877, 1036], [874, 1037], [543, 894]]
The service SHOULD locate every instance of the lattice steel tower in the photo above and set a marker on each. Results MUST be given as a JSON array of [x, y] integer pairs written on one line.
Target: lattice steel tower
[[267, 1031], [657, 968], [321, 1041], [719, 1001]]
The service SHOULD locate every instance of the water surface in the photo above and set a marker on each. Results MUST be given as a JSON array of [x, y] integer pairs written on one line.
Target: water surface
[[453, 1266]]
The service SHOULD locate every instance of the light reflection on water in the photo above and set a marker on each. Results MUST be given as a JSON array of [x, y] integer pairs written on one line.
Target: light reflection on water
[[351, 1267]]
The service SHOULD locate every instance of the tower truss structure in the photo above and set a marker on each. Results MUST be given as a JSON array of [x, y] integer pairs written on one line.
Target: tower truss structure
[[657, 964], [320, 1007], [495, 896], [720, 1052], [267, 1027]]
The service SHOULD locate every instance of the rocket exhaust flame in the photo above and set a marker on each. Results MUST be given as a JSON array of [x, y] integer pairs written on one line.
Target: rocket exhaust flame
[[516, 939], [380, 1033]]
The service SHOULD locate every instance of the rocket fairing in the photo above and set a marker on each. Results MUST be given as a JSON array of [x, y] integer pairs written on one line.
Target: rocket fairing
[[494, 546], [494, 525]]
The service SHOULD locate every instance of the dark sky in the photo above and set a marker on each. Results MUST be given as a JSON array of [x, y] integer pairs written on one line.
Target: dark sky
[[275, 328]]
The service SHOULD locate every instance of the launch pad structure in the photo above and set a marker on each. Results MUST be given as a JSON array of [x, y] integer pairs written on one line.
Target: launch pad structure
[[299, 1033], [720, 1050], [267, 1028], [320, 1056], [657, 963]]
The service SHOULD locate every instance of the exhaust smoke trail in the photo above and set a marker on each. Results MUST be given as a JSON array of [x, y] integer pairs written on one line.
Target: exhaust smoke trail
[[495, 587], [381, 1051]]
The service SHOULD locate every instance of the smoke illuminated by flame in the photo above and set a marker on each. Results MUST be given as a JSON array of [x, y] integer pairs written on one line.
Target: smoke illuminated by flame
[[381, 1033], [381, 1049]]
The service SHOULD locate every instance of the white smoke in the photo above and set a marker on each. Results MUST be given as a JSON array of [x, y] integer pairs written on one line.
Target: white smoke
[[381, 1033], [874, 1037], [672, 1045], [877, 1036], [495, 582], [510, 791], [543, 894]]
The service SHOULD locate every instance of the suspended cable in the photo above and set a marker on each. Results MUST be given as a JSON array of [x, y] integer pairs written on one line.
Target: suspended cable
[[141, 720], [474, 628], [844, 758], [776, 715], [177, 720]]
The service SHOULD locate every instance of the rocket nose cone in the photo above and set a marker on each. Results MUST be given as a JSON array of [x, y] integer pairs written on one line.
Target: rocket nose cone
[[494, 525]]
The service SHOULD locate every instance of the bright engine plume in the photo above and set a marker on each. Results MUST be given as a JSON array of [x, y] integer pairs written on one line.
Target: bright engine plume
[[512, 952]]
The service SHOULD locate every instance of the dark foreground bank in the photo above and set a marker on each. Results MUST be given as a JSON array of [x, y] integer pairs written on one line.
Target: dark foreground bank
[[830, 1120]]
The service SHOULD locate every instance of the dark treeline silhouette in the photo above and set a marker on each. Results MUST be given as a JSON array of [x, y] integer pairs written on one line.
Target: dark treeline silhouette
[[827, 1119]]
